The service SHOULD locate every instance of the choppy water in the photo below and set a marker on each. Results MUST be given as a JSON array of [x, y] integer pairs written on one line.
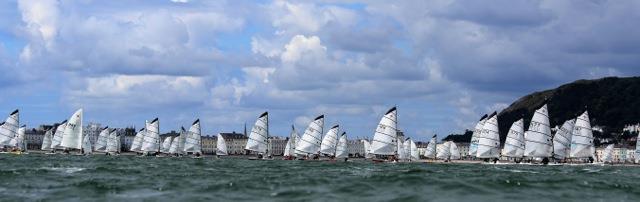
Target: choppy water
[[80, 178]]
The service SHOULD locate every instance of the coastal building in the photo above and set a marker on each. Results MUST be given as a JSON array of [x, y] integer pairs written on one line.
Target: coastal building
[[33, 136], [277, 145], [209, 144], [620, 155], [235, 143], [355, 148]]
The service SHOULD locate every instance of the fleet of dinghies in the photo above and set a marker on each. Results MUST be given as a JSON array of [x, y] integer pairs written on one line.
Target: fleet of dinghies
[[573, 141]]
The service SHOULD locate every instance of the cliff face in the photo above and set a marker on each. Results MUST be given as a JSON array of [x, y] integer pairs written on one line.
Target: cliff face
[[612, 103]]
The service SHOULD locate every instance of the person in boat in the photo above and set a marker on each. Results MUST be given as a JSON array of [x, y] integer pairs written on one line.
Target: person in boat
[[545, 160], [590, 159], [66, 151], [495, 160], [260, 156], [316, 157]]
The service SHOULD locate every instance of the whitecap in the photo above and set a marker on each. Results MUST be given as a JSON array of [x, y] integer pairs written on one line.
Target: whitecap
[[68, 170]]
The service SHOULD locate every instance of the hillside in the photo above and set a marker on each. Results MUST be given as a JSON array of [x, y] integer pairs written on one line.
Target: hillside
[[612, 103]]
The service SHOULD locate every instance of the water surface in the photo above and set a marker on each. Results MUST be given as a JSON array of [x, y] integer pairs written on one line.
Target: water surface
[[67, 177]]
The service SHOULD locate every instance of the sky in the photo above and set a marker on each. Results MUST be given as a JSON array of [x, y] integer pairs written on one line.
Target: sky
[[444, 63]]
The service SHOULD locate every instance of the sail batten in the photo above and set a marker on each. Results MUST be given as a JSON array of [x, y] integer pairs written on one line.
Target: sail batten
[[221, 146], [151, 140], [193, 138], [258, 138], [341, 147]]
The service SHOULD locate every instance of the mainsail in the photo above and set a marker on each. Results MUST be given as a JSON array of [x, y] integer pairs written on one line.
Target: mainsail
[[9, 128], [112, 141], [86, 145], [330, 141], [367, 149], [72, 137], [582, 139], [444, 150], [150, 142], [537, 138], [386, 134], [259, 136], [136, 145], [166, 145], [193, 138], [514, 144], [562, 140], [489, 139], [473, 145], [414, 152], [46, 140], [101, 142], [607, 155], [453, 150], [430, 151], [18, 140], [402, 155], [174, 145], [221, 146], [341, 148], [291, 143], [310, 141], [57, 136], [406, 146]]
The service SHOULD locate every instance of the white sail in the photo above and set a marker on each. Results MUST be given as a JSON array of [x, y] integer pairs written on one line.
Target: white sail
[[444, 151], [582, 138], [406, 147], [341, 148], [151, 140], [386, 134], [136, 144], [18, 141], [112, 141], [46, 140], [9, 128], [72, 137], [607, 154], [453, 150], [174, 145], [473, 145], [86, 145], [367, 149], [330, 141], [430, 151], [288, 148], [166, 144], [537, 139], [193, 138], [310, 141], [414, 151], [259, 136], [57, 136], [489, 139], [221, 146], [514, 143], [182, 138], [562, 140], [101, 142], [291, 143], [400, 150]]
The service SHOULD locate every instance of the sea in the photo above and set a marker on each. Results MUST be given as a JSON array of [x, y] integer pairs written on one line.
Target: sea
[[40, 177]]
